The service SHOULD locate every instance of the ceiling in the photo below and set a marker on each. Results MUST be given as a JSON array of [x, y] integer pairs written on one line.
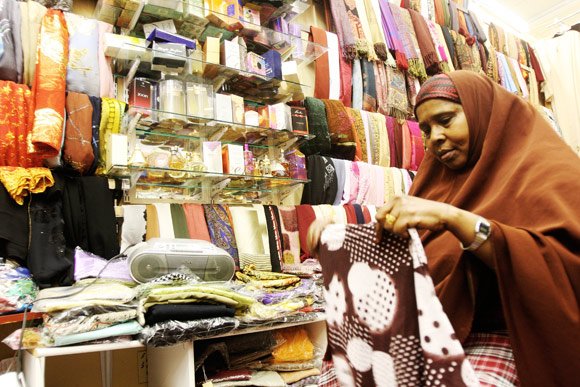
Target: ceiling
[[543, 18]]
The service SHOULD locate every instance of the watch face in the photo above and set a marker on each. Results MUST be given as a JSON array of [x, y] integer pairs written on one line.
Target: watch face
[[484, 227]]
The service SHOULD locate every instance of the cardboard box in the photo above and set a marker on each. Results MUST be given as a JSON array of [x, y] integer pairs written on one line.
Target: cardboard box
[[200, 100], [273, 64], [233, 159], [140, 96], [163, 25], [212, 156], [279, 115], [227, 14], [168, 57], [223, 107], [125, 47], [211, 50], [299, 120], [237, 109], [161, 36], [251, 15], [117, 150], [255, 63], [296, 164]]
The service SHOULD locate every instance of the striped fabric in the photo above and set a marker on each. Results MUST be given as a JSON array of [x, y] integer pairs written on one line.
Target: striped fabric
[[492, 359], [328, 375], [440, 86]]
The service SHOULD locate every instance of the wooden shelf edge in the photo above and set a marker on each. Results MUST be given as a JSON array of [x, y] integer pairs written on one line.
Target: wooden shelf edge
[[17, 317]]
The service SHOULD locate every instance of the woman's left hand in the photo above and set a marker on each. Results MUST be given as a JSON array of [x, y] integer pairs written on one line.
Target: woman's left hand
[[404, 212]]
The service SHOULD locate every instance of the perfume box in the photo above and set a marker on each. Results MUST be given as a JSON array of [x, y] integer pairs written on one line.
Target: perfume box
[[279, 115], [160, 36], [140, 96], [200, 100], [237, 109], [223, 107], [299, 120], [296, 164], [163, 25], [255, 63], [273, 64], [251, 118], [117, 150], [251, 16], [233, 159], [212, 156], [230, 54], [168, 57], [127, 46], [211, 49]]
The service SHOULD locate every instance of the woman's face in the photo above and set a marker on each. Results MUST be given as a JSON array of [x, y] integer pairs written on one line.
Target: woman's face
[[446, 132]]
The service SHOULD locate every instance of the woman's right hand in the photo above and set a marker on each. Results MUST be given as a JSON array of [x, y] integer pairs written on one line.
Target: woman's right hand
[[313, 235]]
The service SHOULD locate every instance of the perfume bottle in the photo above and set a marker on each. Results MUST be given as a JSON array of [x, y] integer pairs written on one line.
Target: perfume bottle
[[194, 162], [280, 167], [248, 161], [176, 164], [159, 158], [266, 167], [137, 159]]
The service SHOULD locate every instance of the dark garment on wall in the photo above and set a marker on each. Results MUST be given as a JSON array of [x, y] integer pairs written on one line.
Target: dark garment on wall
[[96, 102], [13, 227], [323, 182]]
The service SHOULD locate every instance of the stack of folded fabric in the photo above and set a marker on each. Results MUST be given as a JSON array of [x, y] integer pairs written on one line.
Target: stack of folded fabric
[[17, 288], [176, 309], [280, 294], [87, 311], [274, 358]]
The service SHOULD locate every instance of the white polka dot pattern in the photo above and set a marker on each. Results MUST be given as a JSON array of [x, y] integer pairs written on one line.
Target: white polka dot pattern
[[383, 369], [335, 301], [333, 236], [437, 335], [343, 372], [408, 359], [374, 296], [359, 353]]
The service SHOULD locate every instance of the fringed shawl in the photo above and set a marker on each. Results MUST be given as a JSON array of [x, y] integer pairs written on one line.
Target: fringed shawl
[[343, 29], [426, 45], [416, 66], [392, 35]]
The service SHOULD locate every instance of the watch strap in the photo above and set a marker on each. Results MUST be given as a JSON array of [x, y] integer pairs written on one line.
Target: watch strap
[[482, 232]]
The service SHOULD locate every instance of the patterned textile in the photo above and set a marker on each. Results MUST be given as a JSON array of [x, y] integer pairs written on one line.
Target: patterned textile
[[392, 35], [425, 43], [364, 47], [397, 97], [360, 132], [48, 89], [418, 149], [18, 181], [386, 325], [77, 148], [14, 104], [111, 119], [318, 126], [403, 22], [32, 15], [220, 229], [492, 358], [11, 66], [82, 72], [465, 57], [382, 88], [328, 375], [290, 235], [369, 86], [439, 86], [343, 30], [341, 130]]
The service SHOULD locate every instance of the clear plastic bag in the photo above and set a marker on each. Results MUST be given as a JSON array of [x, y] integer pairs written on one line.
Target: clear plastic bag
[[33, 338], [174, 332]]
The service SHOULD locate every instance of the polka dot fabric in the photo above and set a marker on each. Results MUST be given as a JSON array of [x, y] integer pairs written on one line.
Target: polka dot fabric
[[386, 326]]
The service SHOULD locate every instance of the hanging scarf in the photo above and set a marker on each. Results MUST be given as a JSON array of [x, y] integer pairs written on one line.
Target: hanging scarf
[[392, 35], [384, 148], [426, 45], [11, 68], [48, 90], [341, 130], [334, 82], [391, 136], [220, 229], [165, 220], [520, 78], [409, 40], [82, 72], [399, 148], [318, 126], [369, 86], [373, 11], [439, 46], [345, 81], [450, 46], [362, 14], [290, 235], [107, 83], [535, 64], [77, 149], [382, 88], [439, 14], [323, 182], [366, 144], [478, 29], [340, 178], [512, 46], [32, 15], [357, 85], [465, 60], [359, 128], [524, 53], [417, 147], [274, 237], [453, 16], [196, 224], [463, 30], [180, 228], [512, 71], [364, 48], [374, 129], [249, 234], [14, 106], [397, 98], [407, 145], [322, 80], [96, 124], [343, 30]]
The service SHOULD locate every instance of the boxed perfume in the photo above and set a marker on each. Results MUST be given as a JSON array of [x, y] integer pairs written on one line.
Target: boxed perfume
[[223, 107], [200, 100], [212, 156], [237, 109], [140, 96], [168, 57], [233, 159], [230, 54], [299, 120], [255, 63]]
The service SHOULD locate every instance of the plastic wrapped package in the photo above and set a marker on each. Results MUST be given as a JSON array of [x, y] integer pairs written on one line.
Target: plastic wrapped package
[[308, 288], [33, 338], [131, 327], [174, 332], [291, 318], [68, 297], [89, 265], [296, 345], [17, 289], [87, 318], [261, 312], [288, 366]]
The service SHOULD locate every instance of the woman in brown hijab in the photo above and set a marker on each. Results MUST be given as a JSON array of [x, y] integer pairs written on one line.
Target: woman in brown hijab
[[497, 201]]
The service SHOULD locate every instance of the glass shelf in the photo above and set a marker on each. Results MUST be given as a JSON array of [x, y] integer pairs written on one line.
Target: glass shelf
[[133, 58], [194, 22], [196, 128]]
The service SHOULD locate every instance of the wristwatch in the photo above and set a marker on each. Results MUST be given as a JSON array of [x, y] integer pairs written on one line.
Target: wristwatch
[[482, 232]]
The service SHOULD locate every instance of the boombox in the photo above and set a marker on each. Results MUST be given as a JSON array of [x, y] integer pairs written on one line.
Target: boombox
[[159, 256]]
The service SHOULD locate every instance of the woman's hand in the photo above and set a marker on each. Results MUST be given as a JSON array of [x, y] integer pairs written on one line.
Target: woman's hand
[[313, 235], [404, 212]]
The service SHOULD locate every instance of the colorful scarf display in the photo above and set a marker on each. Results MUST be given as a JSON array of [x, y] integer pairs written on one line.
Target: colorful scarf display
[[425, 43], [392, 37], [364, 47], [220, 229], [48, 90], [341, 129], [408, 39], [318, 126]]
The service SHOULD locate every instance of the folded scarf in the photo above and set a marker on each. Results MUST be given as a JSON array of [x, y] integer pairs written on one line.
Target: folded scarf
[[318, 126], [343, 29], [11, 60], [341, 130], [82, 72], [382, 86], [180, 228], [48, 90], [430, 58], [77, 149], [32, 15], [20, 181], [357, 85], [360, 132], [322, 83], [357, 124]]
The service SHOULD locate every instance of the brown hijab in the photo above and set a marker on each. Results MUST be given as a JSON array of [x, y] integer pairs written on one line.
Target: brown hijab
[[524, 179]]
